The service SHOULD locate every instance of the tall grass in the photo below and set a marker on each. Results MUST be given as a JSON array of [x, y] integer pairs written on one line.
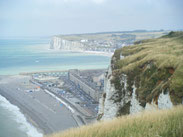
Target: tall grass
[[160, 123]]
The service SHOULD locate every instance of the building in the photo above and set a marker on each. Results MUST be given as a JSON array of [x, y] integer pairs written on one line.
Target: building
[[88, 87]]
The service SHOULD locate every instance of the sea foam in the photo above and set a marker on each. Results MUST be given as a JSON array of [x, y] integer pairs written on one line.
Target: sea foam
[[26, 127]]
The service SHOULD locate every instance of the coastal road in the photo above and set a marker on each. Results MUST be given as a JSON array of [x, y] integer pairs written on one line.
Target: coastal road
[[42, 110]]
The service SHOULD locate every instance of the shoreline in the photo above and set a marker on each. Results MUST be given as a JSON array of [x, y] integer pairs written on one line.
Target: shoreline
[[10, 73], [38, 119], [108, 54], [99, 53], [26, 112]]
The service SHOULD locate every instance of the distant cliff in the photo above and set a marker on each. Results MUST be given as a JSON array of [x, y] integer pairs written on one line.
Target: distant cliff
[[66, 45], [106, 42], [59, 43], [147, 75]]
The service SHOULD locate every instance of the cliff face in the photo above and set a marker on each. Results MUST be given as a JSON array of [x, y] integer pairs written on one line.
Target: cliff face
[[147, 75], [66, 45]]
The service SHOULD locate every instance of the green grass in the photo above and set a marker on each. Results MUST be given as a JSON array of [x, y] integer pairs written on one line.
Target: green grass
[[154, 65], [114, 36], [159, 123]]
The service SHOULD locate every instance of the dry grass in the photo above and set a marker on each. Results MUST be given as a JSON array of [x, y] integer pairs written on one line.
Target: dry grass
[[165, 52], [160, 123]]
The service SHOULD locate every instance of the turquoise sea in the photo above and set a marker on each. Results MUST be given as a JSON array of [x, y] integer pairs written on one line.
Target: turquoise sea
[[26, 55], [29, 55]]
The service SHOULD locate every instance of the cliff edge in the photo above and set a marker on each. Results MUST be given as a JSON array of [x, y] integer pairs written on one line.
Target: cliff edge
[[146, 75]]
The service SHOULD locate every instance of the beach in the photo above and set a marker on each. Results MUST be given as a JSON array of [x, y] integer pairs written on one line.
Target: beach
[[40, 109], [87, 52]]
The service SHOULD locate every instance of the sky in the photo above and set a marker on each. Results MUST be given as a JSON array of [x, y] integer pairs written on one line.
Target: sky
[[52, 17]]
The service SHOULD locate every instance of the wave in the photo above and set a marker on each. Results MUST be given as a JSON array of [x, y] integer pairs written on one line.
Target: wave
[[24, 126]]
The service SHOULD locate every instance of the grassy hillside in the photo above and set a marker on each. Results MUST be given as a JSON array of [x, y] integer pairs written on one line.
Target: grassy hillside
[[160, 123], [154, 65], [111, 36]]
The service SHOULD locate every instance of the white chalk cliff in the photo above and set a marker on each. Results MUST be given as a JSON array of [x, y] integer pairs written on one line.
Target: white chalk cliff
[[91, 46], [58, 43], [109, 109], [140, 77]]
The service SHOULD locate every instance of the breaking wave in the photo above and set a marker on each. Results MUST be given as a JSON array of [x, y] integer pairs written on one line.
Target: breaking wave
[[24, 126]]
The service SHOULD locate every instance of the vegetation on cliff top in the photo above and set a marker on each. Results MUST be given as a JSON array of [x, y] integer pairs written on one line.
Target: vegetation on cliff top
[[153, 65], [119, 35], [160, 123]]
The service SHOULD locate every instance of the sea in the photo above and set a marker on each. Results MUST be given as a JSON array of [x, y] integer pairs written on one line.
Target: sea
[[19, 55]]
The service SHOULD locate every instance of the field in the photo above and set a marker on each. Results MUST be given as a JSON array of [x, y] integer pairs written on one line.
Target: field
[[160, 123], [110, 36]]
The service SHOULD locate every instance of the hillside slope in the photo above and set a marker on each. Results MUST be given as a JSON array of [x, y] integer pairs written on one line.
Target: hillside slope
[[162, 123], [147, 75], [100, 42]]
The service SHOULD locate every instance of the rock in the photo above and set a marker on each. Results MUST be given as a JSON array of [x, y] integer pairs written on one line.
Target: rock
[[66, 45]]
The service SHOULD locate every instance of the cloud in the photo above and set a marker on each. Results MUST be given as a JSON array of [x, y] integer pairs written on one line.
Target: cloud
[[71, 1], [98, 1], [95, 1], [46, 17]]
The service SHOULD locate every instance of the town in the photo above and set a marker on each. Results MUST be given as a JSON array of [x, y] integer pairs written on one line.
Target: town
[[79, 89]]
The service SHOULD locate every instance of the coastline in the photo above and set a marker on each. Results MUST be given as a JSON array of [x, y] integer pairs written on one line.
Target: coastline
[[27, 113], [100, 53], [30, 116], [35, 111], [108, 54]]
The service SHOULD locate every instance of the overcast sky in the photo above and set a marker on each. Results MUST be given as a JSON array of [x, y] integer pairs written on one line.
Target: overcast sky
[[50, 17]]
